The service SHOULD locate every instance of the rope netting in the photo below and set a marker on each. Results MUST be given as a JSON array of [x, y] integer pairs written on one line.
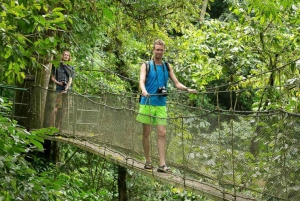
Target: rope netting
[[247, 152]]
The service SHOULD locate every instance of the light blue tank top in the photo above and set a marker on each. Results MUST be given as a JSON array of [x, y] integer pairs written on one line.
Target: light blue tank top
[[155, 79]]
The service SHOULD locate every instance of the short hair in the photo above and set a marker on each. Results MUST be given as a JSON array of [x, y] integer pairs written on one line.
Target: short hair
[[66, 51], [158, 42]]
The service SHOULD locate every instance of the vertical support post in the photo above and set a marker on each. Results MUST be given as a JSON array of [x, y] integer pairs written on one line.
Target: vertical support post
[[74, 113], [183, 153], [98, 117], [122, 187], [14, 106], [232, 146]]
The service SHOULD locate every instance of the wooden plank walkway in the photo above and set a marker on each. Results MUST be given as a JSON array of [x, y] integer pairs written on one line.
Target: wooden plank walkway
[[207, 190]]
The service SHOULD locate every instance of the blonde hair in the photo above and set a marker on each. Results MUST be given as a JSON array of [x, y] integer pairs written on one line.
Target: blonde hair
[[66, 51], [159, 42]]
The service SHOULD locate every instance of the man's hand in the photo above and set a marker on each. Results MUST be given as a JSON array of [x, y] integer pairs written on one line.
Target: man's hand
[[144, 93], [191, 90]]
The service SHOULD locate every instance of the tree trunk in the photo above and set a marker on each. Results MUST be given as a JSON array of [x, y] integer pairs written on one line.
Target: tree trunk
[[38, 104], [33, 103], [55, 152], [49, 106], [122, 183], [203, 10]]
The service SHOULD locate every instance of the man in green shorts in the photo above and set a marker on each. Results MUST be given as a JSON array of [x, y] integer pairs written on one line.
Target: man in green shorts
[[153, 83]]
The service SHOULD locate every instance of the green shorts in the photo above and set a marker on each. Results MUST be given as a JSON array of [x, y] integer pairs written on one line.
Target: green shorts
[[154, 115]]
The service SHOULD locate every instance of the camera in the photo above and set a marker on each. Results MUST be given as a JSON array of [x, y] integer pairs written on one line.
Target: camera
[[64, 82], [162, 90]]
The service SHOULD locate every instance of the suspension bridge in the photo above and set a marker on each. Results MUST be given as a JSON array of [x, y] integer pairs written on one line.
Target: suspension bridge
[[221, 154]]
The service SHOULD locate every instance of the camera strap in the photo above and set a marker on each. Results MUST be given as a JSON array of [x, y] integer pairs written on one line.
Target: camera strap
[[163, 66], [66, 72]]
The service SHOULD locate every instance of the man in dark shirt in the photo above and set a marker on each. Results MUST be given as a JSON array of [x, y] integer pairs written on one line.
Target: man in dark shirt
[[62, 76]]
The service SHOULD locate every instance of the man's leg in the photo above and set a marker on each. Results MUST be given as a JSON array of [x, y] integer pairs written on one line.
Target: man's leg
[[52, 117], [61, 110], [146, 141], [58, 119], [161, 144], [58, 106]]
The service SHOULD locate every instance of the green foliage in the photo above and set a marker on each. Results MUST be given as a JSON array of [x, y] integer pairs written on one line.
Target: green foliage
[[148, 189], [21, 26], [23, 176], [16, 174], [254, 46], [257, 148], [243, 52], [110, 44]]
